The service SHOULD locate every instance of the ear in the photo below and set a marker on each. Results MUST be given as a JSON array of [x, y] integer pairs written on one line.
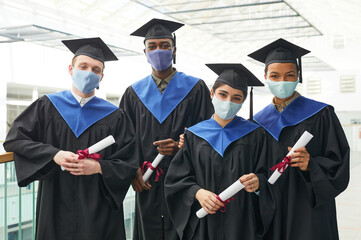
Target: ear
[[265, 76], [212, 93], [144, 52], [70, 70], [101, 77]]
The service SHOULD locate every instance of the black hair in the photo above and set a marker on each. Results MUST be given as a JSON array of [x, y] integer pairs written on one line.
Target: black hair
[[218, 84], [297, 69]]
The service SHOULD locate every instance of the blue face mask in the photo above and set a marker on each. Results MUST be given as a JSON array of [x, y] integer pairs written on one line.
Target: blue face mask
[[85, 81], [225, 109], [160, 59], [282, 89]]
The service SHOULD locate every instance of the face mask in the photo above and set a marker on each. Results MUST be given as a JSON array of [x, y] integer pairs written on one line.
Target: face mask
[[160, 59], [85, 81], [225, 109], [282, 89]]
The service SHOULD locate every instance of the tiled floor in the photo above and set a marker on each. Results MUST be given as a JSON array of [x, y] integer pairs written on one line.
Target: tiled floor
[[349, 204]]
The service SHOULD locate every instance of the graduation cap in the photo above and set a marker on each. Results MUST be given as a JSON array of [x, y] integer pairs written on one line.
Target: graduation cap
[[280, 51], [158, 28], [91, 47], [237, 76]]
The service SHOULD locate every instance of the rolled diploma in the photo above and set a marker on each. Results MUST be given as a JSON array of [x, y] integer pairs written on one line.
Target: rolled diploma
[[302, 141], [97, 147], [226, 194], [155, 163]]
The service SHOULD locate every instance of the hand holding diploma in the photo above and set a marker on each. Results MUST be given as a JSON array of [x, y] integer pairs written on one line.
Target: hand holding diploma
[[151, 167], [208, 201], [138, 184], [300, 158], [63, 157], [223, 198], [299, 146], [91, 153], [250, 182]]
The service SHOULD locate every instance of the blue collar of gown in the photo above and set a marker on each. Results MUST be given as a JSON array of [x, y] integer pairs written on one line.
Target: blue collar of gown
[[80, 118], [161, 105], [220, 138], [297, 111]]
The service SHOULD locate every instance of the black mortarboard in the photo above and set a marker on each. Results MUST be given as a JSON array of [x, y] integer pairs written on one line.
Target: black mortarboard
[[91, 47], [158, 28], [280, 51], [237, 76]]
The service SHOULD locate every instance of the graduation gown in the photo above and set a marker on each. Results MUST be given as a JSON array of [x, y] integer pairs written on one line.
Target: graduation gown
[[306, 199], [184, 102], [213, 158], [74, 207]]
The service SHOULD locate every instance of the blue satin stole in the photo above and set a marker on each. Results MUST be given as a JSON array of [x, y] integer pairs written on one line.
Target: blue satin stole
[[297, 111], [80, 118], [161, 105], [220, 138]]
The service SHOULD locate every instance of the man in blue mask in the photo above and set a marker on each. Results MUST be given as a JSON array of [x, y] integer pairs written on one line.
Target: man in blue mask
[[306, 191], [161, 106], [83, 199]]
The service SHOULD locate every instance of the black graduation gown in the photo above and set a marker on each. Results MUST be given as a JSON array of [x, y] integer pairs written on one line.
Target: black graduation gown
[[150, 209], [198, 165], [306, 200], [73, 207]]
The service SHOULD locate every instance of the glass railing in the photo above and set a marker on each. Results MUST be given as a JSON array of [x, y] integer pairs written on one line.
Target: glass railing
[[18, 205]]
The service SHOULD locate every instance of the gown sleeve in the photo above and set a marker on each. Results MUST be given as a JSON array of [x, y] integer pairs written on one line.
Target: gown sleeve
[[33, 157], [264, 204], [329, 169], [120, 167], [129, 106], [126, 104], [181, 186]]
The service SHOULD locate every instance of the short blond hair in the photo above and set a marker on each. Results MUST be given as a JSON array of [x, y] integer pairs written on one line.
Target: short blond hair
[[73, 61]]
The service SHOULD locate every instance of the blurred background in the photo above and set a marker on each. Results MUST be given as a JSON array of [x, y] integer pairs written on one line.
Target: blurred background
[[34, 62]]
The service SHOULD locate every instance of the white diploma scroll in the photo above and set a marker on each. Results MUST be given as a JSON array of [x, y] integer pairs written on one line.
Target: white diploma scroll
[[226, 194], [155, 163], [302, 142], [97, 147]]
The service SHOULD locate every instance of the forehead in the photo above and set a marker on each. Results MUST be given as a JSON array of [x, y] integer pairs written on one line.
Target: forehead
[[282, 67], [230, 90], [88, 60], [157, 41]]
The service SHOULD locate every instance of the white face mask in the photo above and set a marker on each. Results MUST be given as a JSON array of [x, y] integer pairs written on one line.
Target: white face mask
[[225, 109], [282, 89]]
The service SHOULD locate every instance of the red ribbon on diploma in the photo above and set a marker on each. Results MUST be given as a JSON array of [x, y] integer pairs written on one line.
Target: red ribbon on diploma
[[85, 154], [223, 209], [147, 165], [281, 167]]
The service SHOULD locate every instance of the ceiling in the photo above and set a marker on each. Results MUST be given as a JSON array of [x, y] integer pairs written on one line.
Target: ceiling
[[238, 21], [215, 30]]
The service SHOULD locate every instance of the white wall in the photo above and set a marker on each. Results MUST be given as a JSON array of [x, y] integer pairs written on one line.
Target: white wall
[[33, 64]]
